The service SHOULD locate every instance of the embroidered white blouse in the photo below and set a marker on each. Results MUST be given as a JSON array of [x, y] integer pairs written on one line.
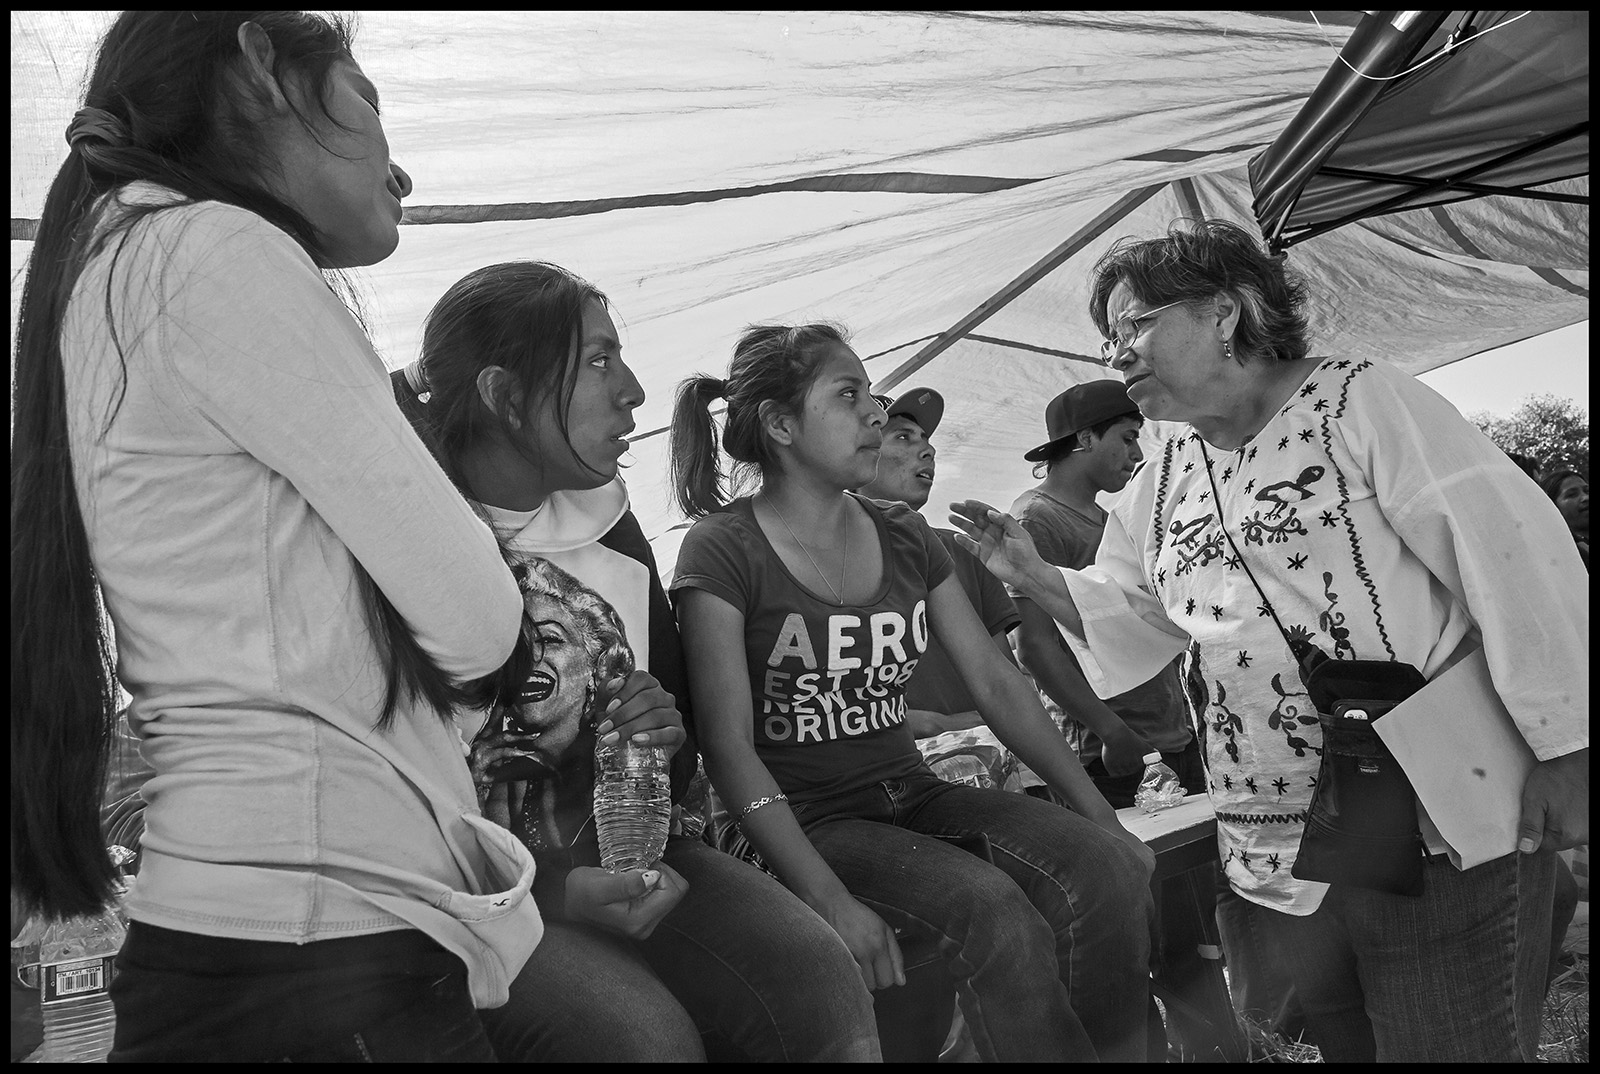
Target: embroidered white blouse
[[1381, 526]]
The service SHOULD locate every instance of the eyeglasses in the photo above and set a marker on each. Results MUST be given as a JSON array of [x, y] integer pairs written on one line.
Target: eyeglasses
[[1125, 330]]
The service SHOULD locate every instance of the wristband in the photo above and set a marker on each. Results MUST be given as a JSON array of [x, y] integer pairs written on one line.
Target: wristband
[[759, 802]]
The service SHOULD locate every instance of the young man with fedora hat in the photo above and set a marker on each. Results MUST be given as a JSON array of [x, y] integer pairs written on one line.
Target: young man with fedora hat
[[1093, 447], [937, 699]]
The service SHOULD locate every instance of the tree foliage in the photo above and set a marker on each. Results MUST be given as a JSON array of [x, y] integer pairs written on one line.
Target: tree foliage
[[1549, 428]]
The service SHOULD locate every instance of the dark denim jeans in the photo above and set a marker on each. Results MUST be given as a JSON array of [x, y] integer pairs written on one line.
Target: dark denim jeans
[[1050, 945], [740, 955], [1258, 984], [1456, 975], [395, 997]]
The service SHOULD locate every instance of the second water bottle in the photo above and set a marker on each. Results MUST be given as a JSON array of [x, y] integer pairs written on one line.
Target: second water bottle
[[1159, 789]]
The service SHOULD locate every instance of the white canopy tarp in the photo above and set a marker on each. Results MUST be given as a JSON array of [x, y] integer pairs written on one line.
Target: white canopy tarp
[[926, 163]]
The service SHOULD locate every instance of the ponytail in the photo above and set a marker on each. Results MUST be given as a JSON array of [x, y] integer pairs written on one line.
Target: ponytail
[[697, 483], [773, 368], [410, 392], [63, 671]]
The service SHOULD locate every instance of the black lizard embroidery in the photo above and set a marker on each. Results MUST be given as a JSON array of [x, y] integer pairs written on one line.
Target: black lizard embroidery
[[1184, 535]]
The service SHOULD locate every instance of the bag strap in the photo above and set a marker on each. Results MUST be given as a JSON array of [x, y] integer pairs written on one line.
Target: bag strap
[[1307, 655]]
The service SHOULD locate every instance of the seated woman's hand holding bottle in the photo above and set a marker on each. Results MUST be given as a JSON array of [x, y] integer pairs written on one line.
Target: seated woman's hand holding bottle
[[629, 904]]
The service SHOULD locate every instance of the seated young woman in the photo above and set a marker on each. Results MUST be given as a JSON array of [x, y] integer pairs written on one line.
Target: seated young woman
[[804, 609], [522, 392]]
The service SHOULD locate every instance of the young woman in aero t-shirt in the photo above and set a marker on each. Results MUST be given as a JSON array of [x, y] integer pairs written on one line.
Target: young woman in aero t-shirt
[[804, 608]]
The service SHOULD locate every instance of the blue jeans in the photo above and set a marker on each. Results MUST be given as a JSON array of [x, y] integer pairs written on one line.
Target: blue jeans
[[1455, 975], [1561, 915], [1050, 945], [1258, 984], [739, 955], [392, 997]]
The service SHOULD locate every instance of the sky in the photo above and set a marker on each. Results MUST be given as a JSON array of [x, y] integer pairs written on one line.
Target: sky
[[1498, 381]]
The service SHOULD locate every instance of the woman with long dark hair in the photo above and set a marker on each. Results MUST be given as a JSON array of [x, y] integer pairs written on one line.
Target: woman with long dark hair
[[217, 507]]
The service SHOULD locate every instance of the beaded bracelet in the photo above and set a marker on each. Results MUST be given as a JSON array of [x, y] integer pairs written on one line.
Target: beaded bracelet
[[759, 802]]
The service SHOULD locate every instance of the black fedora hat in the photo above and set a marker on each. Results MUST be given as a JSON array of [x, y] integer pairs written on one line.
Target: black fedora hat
[[1080, 407]]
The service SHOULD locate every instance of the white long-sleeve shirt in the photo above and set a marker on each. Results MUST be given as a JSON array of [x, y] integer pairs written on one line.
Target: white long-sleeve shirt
[[1379, 523], [256, 454]]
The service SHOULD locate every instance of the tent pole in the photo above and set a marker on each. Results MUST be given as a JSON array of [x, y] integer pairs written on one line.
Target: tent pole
[[1402, 200], [1469, 188], [1003, 297], [1189, 197]]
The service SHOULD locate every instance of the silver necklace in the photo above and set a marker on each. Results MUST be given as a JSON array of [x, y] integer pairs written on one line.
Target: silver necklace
[[844, 566]]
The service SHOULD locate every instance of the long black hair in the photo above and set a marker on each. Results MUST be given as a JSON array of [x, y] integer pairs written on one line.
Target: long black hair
[[525, 317], [183, 115], [773, 367]]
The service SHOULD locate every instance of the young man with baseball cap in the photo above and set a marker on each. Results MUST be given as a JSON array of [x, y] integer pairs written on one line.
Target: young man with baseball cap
[[1093, 447], [936, 697]]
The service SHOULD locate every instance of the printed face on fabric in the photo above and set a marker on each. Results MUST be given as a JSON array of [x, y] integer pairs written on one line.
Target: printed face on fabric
[[838, 432], [599, 417], [340, 177], [905, 464], [1114, 455], [576, 638], [546, 736], [1167, 369]]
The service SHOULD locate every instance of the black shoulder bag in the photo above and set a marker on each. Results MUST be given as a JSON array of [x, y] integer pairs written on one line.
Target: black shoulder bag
[[1362, 827]]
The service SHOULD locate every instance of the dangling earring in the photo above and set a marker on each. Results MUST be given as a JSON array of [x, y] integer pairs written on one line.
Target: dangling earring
[[1227, 349]]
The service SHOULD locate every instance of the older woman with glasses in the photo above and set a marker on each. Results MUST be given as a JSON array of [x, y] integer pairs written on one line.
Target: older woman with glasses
[[1337, 503]]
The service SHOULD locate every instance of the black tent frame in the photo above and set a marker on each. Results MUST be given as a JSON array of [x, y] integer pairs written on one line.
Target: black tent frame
[[1385, 42]]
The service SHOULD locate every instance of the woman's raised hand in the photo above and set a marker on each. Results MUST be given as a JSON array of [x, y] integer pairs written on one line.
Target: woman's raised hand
[[494, 745], [501, 800], [641, 709], [999, 542]]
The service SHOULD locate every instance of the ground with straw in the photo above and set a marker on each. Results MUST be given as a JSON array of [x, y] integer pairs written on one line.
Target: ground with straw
[[1564, 1033]]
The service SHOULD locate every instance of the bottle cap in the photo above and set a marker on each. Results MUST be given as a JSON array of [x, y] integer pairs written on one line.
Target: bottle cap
[[1152, 757]]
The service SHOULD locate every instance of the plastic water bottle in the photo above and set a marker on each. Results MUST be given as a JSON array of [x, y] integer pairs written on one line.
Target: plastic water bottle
[[1159, 789], [73, 961], [632, 804]]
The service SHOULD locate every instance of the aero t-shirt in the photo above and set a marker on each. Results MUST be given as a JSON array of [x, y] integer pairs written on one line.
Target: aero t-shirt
[[827, 682]]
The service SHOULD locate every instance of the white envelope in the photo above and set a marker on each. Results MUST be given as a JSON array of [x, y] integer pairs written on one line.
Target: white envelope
[[1465, 758]]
